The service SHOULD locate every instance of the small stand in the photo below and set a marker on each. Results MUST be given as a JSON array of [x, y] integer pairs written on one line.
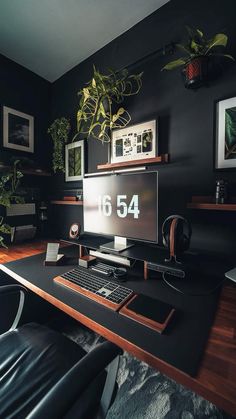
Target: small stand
[[52, 256], [60, 259], [118, 245]]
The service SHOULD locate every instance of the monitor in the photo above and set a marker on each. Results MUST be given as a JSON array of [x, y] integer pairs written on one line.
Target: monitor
[[122, 205]]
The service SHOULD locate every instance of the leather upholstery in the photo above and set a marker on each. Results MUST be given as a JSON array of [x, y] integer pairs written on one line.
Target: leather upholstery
[[44, 375], [58, 402], [32, 359]]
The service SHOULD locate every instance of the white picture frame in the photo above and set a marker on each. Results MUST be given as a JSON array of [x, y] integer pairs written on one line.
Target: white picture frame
[[134, 142], [225, 150], [18, 130], [74, 161]]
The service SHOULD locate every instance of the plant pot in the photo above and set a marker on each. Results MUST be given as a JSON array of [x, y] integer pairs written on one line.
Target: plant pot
[[195, 72]]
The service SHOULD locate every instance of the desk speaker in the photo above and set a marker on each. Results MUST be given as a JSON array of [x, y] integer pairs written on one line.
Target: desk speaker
[[74, 231]]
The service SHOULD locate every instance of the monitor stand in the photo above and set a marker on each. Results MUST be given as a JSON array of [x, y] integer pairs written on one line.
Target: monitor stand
[[118, 245]]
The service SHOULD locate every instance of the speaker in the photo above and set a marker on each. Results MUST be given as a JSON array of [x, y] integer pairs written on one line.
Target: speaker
[[176, 235], [74, 231]]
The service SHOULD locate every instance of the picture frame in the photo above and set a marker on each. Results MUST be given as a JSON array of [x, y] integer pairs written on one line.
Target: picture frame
[[18, 130], [74, 161], [134, 142], [225, 142]]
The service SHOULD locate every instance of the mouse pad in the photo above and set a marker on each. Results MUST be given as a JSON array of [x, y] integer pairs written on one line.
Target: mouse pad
[[148, 311], [151, 308]]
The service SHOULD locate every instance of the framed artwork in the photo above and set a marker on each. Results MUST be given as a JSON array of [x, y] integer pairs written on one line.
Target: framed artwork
[[226, 134], [134, 142], [18, 130], [74, 161]]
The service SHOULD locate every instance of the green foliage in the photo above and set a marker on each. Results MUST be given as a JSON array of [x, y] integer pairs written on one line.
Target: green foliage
[[198, 45], [59, 131], [4, 229], [95, 116], [230, 133], [9, 183]]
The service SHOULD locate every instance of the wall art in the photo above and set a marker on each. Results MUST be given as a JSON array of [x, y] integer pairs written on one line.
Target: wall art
[[134, 142], [18, 130], [226, 134], [74, 161]]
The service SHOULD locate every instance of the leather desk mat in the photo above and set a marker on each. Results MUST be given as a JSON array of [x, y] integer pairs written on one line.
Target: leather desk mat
[[181, 345]]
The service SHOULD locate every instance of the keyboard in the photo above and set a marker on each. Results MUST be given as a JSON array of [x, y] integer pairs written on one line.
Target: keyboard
[[94, 286]]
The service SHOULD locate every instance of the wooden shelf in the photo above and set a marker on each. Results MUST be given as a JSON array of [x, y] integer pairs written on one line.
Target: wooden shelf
[[35, 172], [163, 158], [58, 202], [207, 203]]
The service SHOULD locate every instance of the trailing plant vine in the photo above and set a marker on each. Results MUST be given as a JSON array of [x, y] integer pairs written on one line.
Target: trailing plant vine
[[9, 183], [95, 116], [59, 131]]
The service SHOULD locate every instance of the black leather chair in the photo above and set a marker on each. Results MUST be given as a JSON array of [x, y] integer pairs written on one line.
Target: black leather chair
[[43, 374]]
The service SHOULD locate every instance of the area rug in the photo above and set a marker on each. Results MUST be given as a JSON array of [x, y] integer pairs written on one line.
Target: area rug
[[144, 393]]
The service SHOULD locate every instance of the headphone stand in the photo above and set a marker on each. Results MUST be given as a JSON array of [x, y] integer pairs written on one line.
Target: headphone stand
[[173, 258]]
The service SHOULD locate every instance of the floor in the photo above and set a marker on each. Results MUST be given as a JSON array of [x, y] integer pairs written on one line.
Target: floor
[[144, 393]]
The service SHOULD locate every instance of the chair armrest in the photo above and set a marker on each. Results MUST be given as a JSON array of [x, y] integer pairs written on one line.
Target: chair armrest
[[62, 396], [13, 289]]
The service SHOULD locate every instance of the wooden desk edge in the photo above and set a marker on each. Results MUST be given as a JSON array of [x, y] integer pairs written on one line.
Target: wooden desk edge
[[179, 376]]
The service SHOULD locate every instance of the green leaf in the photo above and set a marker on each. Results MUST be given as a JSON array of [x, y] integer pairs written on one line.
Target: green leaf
[[86, 94], [195, 47], [220, 39], [175, 64], [102, 110], [94, 82], [230, 126], [222, 55], [96, 124], [200, 33], [118, 114], [184, 48]]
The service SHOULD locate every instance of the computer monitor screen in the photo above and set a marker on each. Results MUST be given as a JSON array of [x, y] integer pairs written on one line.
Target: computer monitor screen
[[123, 205]]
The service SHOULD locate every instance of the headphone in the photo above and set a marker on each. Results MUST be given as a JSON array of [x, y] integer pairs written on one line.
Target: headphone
[[74, 231], [176, 235]]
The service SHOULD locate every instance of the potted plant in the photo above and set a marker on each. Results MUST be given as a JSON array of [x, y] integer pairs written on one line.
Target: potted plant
[[96, 116], [9, 183], [59, 131], [198, 52]]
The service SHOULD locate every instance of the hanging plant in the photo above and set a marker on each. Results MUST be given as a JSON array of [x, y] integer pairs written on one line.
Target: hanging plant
[[9, 183], [59, 131], [198, 51], [95, 116]]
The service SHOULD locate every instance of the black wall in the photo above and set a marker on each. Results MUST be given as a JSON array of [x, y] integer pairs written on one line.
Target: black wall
[[186, 118], [26, 92]]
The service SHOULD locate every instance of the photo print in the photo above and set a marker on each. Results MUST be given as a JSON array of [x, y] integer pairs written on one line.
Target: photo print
[[18, 130]]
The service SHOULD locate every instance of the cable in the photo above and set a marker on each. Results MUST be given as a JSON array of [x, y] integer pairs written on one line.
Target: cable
[[189, 293]]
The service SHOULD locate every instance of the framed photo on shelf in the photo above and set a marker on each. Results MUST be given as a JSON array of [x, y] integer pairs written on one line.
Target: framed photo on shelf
[[134, 142], [74, 161], [226, 134], [18, 130]]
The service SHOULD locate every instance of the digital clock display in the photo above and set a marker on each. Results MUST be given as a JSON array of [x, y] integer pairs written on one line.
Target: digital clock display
[[122, 205], [123, 208]]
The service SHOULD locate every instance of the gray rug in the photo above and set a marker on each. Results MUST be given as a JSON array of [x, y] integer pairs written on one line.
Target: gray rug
[[144, 393]]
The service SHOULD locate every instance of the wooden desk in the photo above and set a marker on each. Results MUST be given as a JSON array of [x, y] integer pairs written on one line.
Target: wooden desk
[[215, 380]]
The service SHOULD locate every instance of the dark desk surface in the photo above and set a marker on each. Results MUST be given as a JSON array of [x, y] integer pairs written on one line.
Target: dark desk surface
[[215, 378]]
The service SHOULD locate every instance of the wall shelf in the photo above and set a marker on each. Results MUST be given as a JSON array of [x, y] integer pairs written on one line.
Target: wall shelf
[[35, 172], [61, 202], [207, 203], [163, 158]]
